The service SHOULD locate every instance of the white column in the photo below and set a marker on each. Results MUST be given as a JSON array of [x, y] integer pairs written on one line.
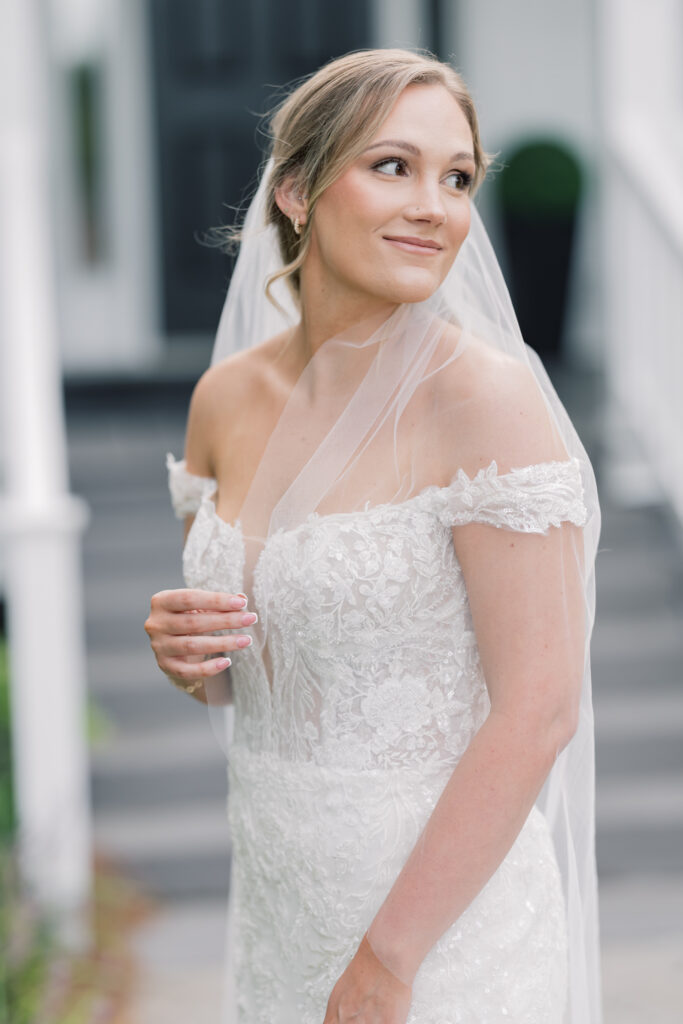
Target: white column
[[40, 522]]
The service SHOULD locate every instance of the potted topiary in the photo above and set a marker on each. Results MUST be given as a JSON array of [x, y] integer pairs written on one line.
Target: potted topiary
[[538, 193]]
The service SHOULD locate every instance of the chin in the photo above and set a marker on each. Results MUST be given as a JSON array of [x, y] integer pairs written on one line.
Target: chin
[[411, 285], [413, 291]]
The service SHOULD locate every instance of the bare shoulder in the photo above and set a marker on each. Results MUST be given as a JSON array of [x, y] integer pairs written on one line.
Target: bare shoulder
[[502, 405], [226, 402], [472, 365]]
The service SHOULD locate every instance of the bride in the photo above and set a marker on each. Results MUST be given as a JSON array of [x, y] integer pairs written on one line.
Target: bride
[[390, 536]]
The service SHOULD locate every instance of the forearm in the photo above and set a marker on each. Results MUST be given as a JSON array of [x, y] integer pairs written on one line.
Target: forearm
[[473, 826]]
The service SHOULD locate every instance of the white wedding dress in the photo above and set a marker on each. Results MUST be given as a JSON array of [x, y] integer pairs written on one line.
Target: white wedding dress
[[377, 691]]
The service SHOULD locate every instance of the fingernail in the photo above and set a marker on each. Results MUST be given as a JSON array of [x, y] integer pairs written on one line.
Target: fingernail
[[249, 619], [243, 641], [223, 662], [238, 603]]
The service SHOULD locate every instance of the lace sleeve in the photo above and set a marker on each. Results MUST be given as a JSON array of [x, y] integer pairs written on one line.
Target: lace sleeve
[[528, 498], [187, 489]]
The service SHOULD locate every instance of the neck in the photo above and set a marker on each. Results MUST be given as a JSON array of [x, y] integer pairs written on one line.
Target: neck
[[328, 310]]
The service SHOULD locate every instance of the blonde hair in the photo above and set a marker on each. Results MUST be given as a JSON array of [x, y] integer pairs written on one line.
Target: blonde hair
[[327, 121]]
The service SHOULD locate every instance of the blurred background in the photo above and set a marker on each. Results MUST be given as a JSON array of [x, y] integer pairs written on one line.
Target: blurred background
[[128, 128]]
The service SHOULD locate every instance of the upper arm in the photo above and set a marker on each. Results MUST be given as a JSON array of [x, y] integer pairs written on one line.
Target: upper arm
[[526, 596], [523, 562], [200, 431], [203, 413], [219, 417]]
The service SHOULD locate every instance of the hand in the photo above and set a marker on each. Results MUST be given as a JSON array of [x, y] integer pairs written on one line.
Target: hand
[[175, 627], [368, 993]]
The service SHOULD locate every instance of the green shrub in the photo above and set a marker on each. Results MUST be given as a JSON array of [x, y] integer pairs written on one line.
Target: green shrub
[[39, 980], [541, 179], [7, 819], [25, 948]]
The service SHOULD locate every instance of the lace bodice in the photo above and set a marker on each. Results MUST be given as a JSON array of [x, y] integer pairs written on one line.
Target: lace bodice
[[375, 595], [376, 691]]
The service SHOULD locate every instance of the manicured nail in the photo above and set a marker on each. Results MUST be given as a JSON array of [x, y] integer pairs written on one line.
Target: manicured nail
[[249, 619], [243, 641], [239, 602], [223, 662]]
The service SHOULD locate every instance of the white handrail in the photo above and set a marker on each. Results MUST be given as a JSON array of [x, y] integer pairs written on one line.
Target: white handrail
[[651, 157], [643, 201]]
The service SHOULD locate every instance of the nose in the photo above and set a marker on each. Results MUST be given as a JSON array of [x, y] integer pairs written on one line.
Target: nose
[[427, 205]]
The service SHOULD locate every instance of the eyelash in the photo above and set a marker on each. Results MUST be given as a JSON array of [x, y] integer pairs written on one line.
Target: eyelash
[[465, 175]]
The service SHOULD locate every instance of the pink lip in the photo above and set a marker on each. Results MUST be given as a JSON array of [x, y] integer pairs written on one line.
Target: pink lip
[[413, 244]]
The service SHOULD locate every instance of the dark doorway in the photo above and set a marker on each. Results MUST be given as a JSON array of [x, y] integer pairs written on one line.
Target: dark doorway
[[217, 65]]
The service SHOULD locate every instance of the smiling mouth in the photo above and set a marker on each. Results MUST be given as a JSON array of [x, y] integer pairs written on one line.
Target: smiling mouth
[[425, 247]]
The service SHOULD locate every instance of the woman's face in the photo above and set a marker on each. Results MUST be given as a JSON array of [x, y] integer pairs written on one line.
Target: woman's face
[[411, 182]]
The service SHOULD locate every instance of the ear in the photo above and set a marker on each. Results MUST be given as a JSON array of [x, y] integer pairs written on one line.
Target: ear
[[291, 199]]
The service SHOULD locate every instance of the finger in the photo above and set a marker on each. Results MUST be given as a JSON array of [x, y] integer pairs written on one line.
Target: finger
[[180, 623], [183, 600], [185, 672], [180, 646], [238, 598]]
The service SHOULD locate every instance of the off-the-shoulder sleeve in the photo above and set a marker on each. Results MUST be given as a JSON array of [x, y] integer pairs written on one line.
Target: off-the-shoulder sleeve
[[187, 489], [528, 498]]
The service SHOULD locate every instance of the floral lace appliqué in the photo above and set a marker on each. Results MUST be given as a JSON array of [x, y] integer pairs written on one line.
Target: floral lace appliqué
[[341, 752]]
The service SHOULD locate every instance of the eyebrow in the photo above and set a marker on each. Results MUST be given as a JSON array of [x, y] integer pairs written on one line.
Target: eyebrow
[[410, 148]]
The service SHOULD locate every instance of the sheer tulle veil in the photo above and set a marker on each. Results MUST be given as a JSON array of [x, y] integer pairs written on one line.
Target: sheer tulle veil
[[384, 411]]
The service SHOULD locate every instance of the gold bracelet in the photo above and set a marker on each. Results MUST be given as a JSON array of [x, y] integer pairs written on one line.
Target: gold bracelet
[[190, 687]]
